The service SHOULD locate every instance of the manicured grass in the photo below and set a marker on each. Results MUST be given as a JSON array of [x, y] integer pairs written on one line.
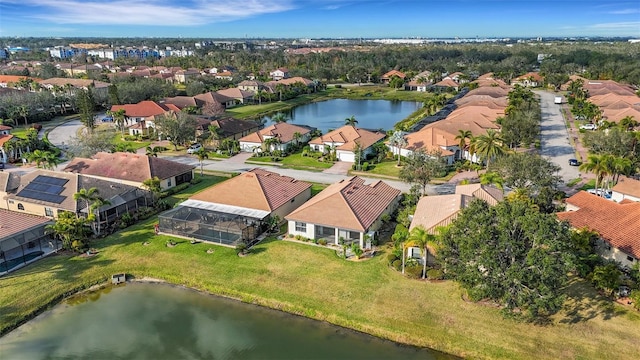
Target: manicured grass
[[117, 139], [295, 161], [312, 281], [573, 182], [591, 184], [258, 111], [316, 188], [385, 168]]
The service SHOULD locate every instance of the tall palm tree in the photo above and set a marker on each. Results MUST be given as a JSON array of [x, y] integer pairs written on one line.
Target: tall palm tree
[[488, 146], [23, 112], [152, 151], [202, 155], [621, 166], [351, 121], [595, 164], [432, 104], [215, 134], [97, 204], [462, 137], [119, 117], [271, 143], [422, 239], [297, 137]]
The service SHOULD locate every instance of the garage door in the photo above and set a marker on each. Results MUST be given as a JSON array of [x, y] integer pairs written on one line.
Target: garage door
[[346, 156]]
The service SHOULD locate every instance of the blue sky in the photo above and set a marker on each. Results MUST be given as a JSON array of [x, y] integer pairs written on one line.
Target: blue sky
[[319, 18]]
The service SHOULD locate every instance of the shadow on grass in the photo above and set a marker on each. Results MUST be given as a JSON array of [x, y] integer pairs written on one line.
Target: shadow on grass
[[585, 303], [74, 267]]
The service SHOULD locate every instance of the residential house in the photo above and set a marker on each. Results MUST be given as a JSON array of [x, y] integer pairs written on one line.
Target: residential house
[[386, 78], [345, 141], [72, 69], [616, 223], [132, 169], [182, 102], [251, 85], [139, 116], [236, 210], [182, 76], [240, 96], [224, 75], [419, 82], [5, 136], [11, 80], [279, 74], [214, 97], [287, 134], [433, 212], [446, 84], [99, 87], [48, 193], [626, 189], [231, 128], [23, 240], [5, 130], [348, 210], [531, 79]]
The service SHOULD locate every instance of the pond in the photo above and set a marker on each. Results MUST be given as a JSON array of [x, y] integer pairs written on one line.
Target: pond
[[371, 114], [145, 321]]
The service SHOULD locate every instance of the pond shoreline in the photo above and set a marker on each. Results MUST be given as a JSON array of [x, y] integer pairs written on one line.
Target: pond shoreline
[[255, 301]]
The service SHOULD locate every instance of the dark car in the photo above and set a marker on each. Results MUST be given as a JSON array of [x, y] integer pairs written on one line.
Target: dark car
[[574, 162], [1, 165]]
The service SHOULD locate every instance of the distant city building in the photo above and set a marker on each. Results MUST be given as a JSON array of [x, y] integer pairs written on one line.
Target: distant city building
[[65, 52]]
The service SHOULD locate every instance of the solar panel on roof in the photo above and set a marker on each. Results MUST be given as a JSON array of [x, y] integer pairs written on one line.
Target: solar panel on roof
[[41, 196], [45, 188], [50, 180]]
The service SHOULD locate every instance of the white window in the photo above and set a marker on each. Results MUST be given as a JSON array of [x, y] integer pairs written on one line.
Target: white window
[[48, 212], [301, 227], [169, 183]]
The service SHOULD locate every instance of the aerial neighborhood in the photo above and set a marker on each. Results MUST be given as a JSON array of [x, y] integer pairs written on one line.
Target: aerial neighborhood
[[342, 158]]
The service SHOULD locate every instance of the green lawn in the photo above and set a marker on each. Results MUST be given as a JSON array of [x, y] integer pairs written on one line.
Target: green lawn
[[386, 168], [376, 92], [117, 139], [296, 161], [313, 282], [266, 108], [591, 184]]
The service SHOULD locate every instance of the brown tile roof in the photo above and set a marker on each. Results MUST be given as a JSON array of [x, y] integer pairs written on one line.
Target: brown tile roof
[[627, 186], [183, 101], [614, 115], [493, 91], [127, 166], [491, 83], [6, 79], [348, 135], [5, 127], [211, 97], [476, 113], [283, 131], [256, 189], [231, 126], [534, 75], [609, 99], [12, 223], [5, 138], [79, 83], [431, 139], [600, 87], [145, 108], [483, 100], [235, 93], [348, 204], [618, 224], [487, 193], [9, 181], [446, 83], [293, 80], [434, 211]]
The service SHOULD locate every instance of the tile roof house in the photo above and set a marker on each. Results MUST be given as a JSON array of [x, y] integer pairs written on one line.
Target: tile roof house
[[250, 85], [23, 240], [617, 224], [236, 209], [446, 84], [344, 141], [530, 79], [626, 189], [4, 138], [348, 209], [239, 95], [213, 97], [132, 169], [47, 193], [386, 78], [279, 73], [285, 132], [140, 116], [230, 128]]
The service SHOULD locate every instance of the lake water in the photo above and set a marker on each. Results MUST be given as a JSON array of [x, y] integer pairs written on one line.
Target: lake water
[[144, 321], [371, 114]]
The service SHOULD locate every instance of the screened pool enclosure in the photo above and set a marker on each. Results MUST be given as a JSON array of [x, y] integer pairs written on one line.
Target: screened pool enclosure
[[211, 225]]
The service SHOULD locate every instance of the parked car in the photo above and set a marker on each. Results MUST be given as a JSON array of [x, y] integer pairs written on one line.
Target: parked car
[[107, 119], [574, 162], [1, 165], [588, 127], [194, 148], [605, 193]]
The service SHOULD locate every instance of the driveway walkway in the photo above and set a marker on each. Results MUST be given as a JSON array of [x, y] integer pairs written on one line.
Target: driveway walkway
[[339, 168]]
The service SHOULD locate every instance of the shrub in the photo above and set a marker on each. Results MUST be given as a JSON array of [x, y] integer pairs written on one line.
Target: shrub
[[195, 181], [397, 264], [126, 219], [298, 237], [435, 274], [130, 138], [322, 242], [391, 258], [413, 271]]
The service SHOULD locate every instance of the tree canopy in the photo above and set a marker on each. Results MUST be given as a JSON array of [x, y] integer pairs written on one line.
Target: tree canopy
[[421, 167], [509, 253], [180, 128]]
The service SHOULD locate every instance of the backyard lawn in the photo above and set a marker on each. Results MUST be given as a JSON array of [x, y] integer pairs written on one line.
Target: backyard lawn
[[366, 296]]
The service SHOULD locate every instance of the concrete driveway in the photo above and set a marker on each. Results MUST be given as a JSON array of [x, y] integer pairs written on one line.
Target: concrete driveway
[[554, 143]]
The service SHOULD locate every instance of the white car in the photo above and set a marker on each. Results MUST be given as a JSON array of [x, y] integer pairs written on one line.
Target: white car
[[588, 127], [194, 148]]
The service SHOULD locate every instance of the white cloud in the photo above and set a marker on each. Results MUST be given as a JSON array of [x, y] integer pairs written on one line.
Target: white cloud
[[625, 12], [153, 12], [630, 25]]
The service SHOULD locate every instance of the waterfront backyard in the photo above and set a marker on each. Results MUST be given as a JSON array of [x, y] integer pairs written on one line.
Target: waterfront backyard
[[366, 296]]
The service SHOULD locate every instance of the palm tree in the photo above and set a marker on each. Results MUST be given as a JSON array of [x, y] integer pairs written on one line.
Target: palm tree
[[621, 166], [119, 117], [351, 121], [431, 104], [50, 160], [215, 133], [627, 123], [596, 165], [398, 140], [152, 151], [202, 155], [297, 137], [97, 204], [23, 111], [488, 146], [270, 144], [421, 238], [88, 196], [280, 118], [462, 137]]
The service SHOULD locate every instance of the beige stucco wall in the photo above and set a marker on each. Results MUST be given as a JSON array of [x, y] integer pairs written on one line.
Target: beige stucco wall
[[29, 208], [287, 208], [612, 253], [617, 197]]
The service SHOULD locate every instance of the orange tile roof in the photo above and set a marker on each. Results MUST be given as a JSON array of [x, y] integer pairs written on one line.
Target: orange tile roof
[[615, 115], [627, 186], [447, 83], [5, 79], [348, 204], [4, 139], [476, 113], [431, 139], [127, 166], [392, 73], [13, 223], [434, 211], [283, 131], [534, 75], [256, 189], [493, 91], [145, 108], [618, 224], [347, 136], [487, 193]]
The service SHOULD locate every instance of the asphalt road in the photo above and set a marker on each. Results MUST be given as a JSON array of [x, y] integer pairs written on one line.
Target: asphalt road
[[554, 144]]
